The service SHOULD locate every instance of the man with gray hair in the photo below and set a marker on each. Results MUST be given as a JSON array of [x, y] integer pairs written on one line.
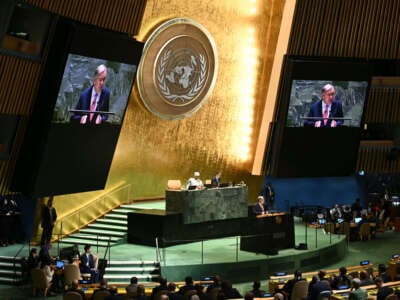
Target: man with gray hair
[[93, 100], [323, 112], [357, 293]]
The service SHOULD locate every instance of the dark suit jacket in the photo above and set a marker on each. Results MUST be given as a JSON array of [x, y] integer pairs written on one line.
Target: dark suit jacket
[[215, 181], [257, 209], [49, 216], [84, 104], [87, 263], [316, 112]]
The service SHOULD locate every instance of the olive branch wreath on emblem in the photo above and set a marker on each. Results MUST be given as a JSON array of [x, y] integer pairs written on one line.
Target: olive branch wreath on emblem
[[162, 85]]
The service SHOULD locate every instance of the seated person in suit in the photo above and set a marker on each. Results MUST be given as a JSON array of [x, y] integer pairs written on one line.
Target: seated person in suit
[[88, 264], [103, 287], [195, 181], [341, 280], [325, 110], [188, 286], [256, 291], [259, 207], [383, 291], [216, 180], [321, 285]]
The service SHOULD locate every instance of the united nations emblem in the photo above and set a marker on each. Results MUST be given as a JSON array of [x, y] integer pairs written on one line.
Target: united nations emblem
[[178, 69]]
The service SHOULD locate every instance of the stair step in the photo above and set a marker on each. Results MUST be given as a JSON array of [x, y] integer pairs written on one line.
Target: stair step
[[105, 234], [106, 227], [117, 216], [7, 258], [132, 269], [10, 272], [123, 210], [119, 276], [72, 240], [8, 280], [111, 221], [95, 237], [133, 262], [9, 264]]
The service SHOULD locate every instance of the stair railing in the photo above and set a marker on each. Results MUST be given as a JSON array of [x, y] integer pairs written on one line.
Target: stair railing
[[90, 212]]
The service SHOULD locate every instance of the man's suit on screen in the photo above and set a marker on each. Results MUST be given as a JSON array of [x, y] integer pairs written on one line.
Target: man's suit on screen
[[336, 111], [85, 101]]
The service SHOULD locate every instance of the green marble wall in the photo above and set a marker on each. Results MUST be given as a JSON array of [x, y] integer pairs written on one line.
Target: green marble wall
[[208, 204]]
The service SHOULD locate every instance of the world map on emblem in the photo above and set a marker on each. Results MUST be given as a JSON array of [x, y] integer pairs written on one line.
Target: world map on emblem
[[178, 69]]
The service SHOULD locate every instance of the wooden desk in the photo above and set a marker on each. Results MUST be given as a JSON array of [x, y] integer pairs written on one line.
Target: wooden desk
[[371, 289], [277, 282]]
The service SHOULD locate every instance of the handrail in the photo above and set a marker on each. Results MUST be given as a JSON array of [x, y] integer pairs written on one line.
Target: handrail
[[14, 261], [89, 208]]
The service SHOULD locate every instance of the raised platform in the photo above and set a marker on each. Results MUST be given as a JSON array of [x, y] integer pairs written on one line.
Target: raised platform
[[224, 255]]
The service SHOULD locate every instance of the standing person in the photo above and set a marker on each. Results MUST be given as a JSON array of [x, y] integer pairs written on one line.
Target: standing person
[[216, 180], [323, 112], [94, 100], [269, 195], [259, 208], [49, 217]]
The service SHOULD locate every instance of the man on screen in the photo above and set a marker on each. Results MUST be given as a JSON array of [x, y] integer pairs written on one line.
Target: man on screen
[[93, 100], [323, 112]]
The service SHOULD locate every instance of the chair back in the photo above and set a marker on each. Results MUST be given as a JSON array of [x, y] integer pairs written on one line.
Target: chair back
[[344, 228], [300, 290], [213, 294], [330, 227], [101, 295], [158, 295], [71, 273], [39, 279], [365, 232], [188, 294], [324, 295], [71, 295]]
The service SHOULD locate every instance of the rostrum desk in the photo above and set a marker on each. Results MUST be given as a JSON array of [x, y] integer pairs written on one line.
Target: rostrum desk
[[198, 215]]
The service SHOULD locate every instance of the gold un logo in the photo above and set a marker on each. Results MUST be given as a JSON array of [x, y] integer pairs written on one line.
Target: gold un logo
[[178, 69]]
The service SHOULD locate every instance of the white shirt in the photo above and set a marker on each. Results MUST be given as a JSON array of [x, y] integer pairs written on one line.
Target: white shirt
[[194, 182]]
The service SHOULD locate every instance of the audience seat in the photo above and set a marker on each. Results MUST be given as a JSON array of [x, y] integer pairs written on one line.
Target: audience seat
[[189, 294], [71, 273], [213, 293], [324, 295], [329, 227], [72, 296], [344, 228], [158, 295], [300, 290], [39, 281], [383, 227], [365, 233], [101, 295]]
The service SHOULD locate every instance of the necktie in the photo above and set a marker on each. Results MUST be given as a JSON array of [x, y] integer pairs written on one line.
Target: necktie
[[326, 115], [93, 106]]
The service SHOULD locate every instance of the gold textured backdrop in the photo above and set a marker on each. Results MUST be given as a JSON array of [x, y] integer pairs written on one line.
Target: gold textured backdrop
[[220, 136], [151, 150]]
